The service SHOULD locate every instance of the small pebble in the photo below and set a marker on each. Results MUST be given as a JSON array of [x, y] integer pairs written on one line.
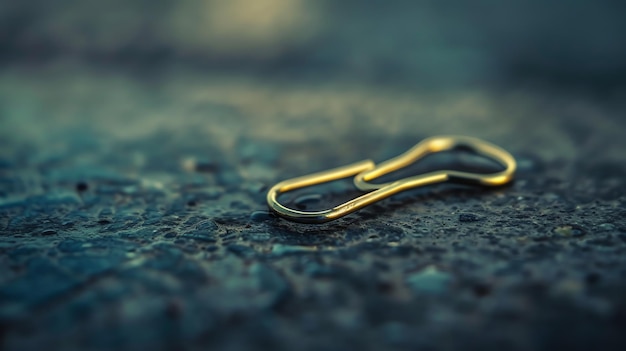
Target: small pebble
[[260, 216], [572, 231], [200, 235], [48, 232], [469, 217], [169, 235], [606, 227]]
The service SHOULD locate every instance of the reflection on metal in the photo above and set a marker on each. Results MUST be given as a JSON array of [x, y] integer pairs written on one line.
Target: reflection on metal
[[366, 171]]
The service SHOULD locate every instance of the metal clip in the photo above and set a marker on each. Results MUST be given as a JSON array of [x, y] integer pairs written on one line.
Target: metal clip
[[366, 171]]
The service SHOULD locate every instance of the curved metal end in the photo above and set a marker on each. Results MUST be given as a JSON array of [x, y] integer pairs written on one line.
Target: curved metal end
[[439, 144], [313, 179]]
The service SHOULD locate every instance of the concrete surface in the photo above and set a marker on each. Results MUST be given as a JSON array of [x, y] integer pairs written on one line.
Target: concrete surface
[[133, 216]]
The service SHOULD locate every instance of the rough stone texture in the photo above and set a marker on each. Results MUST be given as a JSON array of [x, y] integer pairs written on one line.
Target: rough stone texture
[[133, 216], [132, 192]]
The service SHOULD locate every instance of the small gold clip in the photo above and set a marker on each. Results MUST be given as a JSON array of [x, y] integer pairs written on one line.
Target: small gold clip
[[366, 171]]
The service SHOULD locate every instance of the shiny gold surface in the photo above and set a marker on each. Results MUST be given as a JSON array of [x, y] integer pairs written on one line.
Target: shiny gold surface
[[366, 171]]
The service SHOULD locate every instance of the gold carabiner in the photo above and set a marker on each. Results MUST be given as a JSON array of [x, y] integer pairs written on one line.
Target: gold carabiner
[[366, 171]]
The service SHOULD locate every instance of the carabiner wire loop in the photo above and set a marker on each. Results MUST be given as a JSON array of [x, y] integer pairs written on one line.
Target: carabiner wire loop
[[438, 144], [366, 171]]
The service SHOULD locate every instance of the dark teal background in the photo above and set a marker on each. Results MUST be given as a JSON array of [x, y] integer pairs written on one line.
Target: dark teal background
[[138, 140]]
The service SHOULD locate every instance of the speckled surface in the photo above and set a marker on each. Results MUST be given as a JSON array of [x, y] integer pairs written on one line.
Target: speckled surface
[[133, 217], [138, 139]]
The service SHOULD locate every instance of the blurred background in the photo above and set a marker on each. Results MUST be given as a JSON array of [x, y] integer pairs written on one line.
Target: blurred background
[[422, 43], [317, 70]]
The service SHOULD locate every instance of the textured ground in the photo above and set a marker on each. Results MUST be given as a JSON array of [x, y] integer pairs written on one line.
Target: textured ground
[[132, 215]]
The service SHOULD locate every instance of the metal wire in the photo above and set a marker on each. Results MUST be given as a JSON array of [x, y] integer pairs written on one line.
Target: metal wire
[[366, 171]]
